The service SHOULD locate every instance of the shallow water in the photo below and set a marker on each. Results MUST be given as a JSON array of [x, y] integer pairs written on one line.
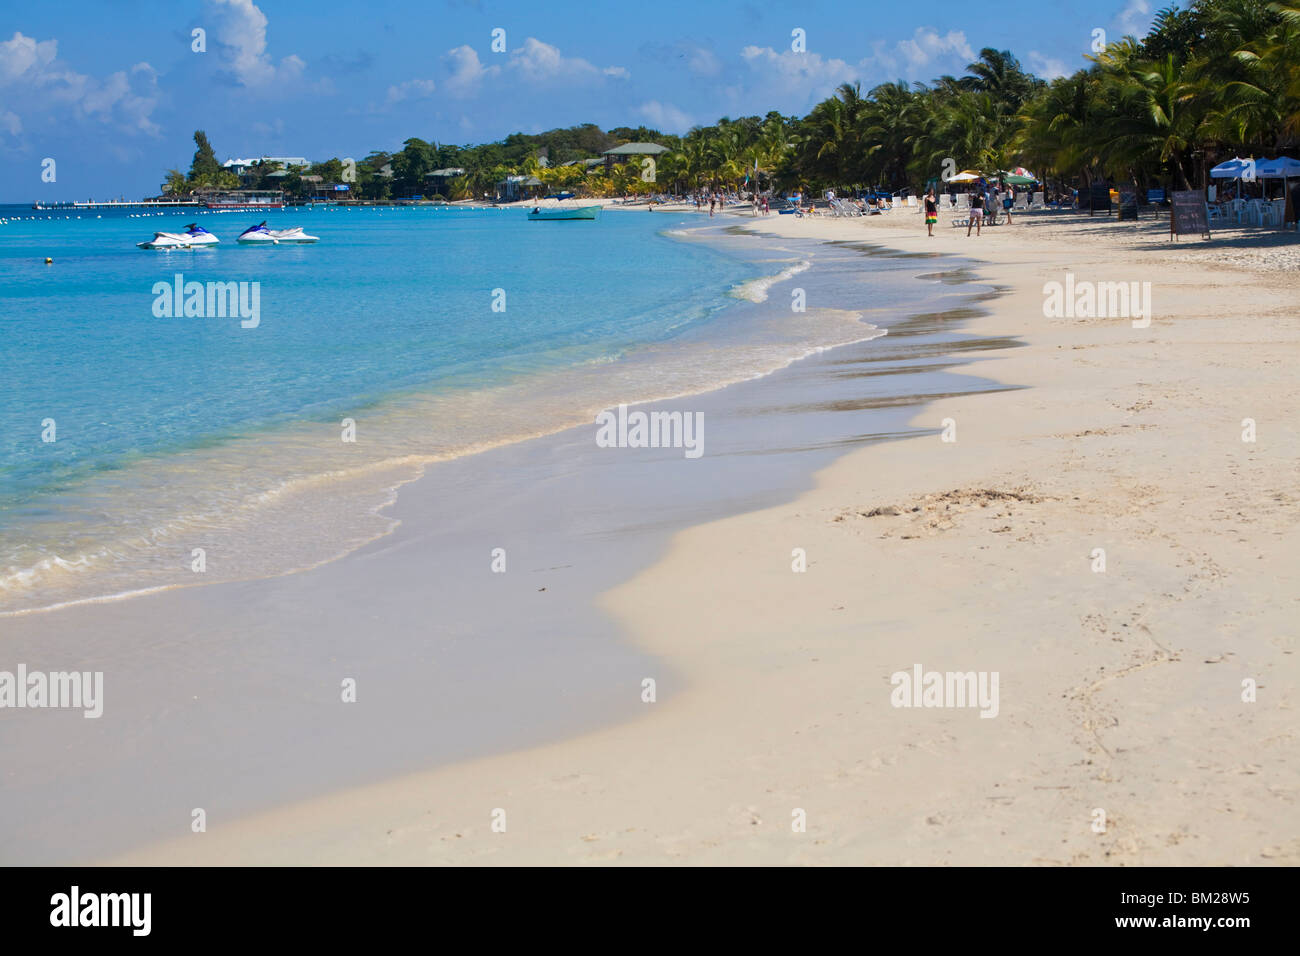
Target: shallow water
[[192, 441], [228, 697]]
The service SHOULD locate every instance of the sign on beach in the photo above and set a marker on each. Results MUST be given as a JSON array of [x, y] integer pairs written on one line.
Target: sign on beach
[[1099, 198], [1128, 205], [1189, 215]]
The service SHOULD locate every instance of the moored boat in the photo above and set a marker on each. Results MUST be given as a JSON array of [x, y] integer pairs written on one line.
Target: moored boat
[[561, 212], [194, 236], [260, 235]]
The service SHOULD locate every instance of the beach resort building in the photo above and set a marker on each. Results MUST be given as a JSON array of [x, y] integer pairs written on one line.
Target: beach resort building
[[630, 151], [241, 166], [513, 188], [438, 182]]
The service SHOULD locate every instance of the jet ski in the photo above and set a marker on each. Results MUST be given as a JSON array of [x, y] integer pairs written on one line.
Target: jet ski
[[193, 237], [261, 235]]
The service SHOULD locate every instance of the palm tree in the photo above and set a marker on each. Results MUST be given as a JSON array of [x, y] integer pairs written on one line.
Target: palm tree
[[1285, 48], [998, 73], [175, 183], [834, 151], [889, 124], [1156, 116], [1058, 130]]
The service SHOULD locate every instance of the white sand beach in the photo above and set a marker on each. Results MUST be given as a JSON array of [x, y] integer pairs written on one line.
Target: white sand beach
[[1119, 690]]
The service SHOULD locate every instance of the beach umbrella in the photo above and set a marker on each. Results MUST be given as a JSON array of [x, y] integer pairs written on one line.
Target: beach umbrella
[[965, 176], [1235, 168], [1016, 179], [1230, 169], [1284, 167]]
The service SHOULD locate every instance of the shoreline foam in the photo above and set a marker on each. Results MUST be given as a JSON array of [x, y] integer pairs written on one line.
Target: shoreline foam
[[122, 568]]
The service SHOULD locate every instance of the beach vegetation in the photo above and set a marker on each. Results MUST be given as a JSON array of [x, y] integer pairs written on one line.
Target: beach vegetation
[[1215, 79]]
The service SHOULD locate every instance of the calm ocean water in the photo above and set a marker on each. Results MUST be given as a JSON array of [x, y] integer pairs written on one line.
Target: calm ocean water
[[180, 435]]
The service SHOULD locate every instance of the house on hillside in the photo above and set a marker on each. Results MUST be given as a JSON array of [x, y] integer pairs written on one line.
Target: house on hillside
[[244, 168], [630, 151], [587, 164], [438, 182]]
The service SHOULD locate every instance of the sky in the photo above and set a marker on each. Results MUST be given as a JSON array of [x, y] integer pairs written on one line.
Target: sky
[[111, 92]]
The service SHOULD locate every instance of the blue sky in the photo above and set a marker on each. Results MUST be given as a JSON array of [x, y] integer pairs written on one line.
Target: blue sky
[[112, 91]]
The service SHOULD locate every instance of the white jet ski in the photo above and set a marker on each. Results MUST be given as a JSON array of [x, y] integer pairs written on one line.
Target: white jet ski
[[260, 235], [193, 237]]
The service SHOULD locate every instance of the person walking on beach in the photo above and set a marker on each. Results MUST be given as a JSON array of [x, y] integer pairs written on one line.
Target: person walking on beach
[[1009, 200], [713, 201], [976, 212], [931, 213]]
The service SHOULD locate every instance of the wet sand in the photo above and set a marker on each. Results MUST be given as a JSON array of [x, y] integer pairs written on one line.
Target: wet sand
[[1124, 735], [227, 697]]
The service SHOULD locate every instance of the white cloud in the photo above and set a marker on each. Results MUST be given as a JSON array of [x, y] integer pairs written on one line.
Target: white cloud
[[1135, 18], [467, 72], [411, 90], [241, 34], [664, 117], [702, 62], [540, 62], [804, 74], [125, 99], [24, 56], [926, 44], [1047, 67]]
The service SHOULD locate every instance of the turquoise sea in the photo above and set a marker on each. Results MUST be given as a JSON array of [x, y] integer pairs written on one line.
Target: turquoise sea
[[194, 444]]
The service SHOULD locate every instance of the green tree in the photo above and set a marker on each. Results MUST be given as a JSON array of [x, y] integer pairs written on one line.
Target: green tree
[[175, 183], [204, 170]]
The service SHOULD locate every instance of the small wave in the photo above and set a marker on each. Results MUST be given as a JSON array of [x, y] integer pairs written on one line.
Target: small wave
[[755, 290]]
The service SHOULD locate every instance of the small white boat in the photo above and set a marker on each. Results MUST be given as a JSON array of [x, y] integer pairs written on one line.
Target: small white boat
[[194, 237], [562, 212], [260, 235]]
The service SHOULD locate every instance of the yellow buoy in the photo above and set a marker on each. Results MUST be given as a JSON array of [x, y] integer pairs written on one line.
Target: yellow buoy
[[49, 261]]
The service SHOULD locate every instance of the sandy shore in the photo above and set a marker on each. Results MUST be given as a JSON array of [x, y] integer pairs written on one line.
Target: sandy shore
[[1120, 690]]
